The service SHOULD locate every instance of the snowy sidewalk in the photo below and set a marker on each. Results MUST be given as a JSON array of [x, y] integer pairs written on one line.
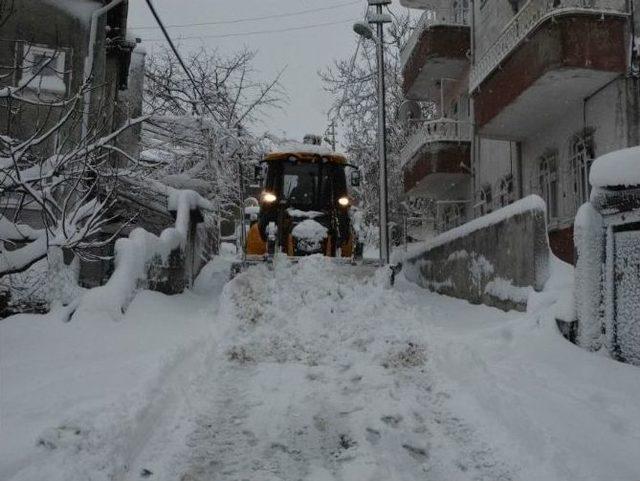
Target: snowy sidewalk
[[78, 399], [309, 372]]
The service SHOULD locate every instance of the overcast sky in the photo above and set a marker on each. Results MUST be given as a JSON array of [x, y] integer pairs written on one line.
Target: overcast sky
[[302, 51]]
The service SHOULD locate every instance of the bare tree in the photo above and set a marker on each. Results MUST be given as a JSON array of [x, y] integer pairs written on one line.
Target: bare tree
[[353, 85], [201, 135], [71, 186]]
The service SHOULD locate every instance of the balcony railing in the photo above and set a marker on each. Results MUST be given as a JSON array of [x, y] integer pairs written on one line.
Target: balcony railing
[[532, 14], [422, 132], [442, 16]]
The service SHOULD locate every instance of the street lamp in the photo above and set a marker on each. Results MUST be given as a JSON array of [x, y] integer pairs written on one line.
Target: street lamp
[[364, 30]]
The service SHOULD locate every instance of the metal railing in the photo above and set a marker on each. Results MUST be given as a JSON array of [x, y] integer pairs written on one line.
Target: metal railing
[[440, 16], [532, 14], [422, 132]]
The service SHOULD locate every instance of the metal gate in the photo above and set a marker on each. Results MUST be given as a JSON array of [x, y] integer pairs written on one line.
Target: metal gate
[[627, 295]]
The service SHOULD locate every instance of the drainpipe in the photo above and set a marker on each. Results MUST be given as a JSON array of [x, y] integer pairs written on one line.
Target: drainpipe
[[519, 166], [472, 40], [89, 61]]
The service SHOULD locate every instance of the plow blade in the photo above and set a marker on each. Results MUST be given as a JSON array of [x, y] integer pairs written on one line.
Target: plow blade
[[360, 269]]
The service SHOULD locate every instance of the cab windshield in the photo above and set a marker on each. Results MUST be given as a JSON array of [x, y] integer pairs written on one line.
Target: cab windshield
[[311, 185]]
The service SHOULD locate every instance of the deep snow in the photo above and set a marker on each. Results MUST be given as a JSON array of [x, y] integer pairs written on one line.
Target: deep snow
[[315, 372]]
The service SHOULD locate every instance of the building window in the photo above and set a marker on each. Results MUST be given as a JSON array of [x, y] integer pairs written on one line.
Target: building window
[[486, 199], [548, 181], [452, 215], [581, 154], [506, 194], [42, 69]]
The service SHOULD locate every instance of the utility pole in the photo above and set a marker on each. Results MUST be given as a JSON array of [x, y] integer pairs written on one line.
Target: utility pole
[[361, 28], [379, 19], [330, 135]]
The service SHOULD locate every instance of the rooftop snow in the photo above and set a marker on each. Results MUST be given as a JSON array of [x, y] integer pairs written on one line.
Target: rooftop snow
[[305, 148], [619, 168]]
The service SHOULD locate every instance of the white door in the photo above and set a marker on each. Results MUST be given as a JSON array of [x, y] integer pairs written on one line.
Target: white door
[[627, 295]]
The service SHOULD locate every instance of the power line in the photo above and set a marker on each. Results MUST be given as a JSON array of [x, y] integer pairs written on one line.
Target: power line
[[255, 19], [259, 32], [179, 57]]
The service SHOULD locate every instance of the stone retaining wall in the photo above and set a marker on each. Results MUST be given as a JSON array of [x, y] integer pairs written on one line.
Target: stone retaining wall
[[495, 260]]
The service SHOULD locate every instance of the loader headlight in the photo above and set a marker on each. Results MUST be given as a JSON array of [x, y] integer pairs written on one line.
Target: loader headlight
[[343, 201], [268, 198]]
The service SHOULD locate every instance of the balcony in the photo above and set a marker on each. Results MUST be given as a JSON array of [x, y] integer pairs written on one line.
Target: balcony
[[548, 58], [437, 49], [436, 158]]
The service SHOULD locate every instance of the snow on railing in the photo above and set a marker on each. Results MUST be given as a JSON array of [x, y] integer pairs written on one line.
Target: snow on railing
[[430, 18], [422, 132], [532, 14]]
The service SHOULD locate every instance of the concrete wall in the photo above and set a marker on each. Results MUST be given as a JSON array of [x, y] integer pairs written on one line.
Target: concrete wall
[[495, 260]]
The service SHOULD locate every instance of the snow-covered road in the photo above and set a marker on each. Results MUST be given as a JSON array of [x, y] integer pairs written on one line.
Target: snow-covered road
[[314, 372]]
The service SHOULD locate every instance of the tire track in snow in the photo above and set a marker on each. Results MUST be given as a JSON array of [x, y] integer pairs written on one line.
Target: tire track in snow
[[164, 402]]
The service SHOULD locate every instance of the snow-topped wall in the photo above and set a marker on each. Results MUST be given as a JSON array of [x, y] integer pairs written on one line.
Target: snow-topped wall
[[496, 260], [167, 263]]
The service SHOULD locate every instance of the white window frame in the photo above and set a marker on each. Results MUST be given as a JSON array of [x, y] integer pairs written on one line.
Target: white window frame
[[486, 199], [52, 80], [580, 160], [506, 193]]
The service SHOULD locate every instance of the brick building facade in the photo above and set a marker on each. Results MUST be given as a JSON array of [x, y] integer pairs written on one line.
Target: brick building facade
[[530, 91]]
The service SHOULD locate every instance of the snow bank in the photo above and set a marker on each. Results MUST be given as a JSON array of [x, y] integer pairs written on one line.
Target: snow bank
[[504, 290], [617, 169], [11, 231], [79, 399]]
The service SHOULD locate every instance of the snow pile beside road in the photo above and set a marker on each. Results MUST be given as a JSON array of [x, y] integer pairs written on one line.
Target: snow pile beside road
[[505, 290], [79, 399]]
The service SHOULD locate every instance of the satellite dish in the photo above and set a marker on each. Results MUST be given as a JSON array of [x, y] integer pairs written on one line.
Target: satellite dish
[[409, 110]]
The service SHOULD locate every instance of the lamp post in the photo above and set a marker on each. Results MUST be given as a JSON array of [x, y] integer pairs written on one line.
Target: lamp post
[[364, 30]]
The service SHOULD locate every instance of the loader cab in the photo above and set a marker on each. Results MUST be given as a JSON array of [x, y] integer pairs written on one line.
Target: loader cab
[[307, 187]]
